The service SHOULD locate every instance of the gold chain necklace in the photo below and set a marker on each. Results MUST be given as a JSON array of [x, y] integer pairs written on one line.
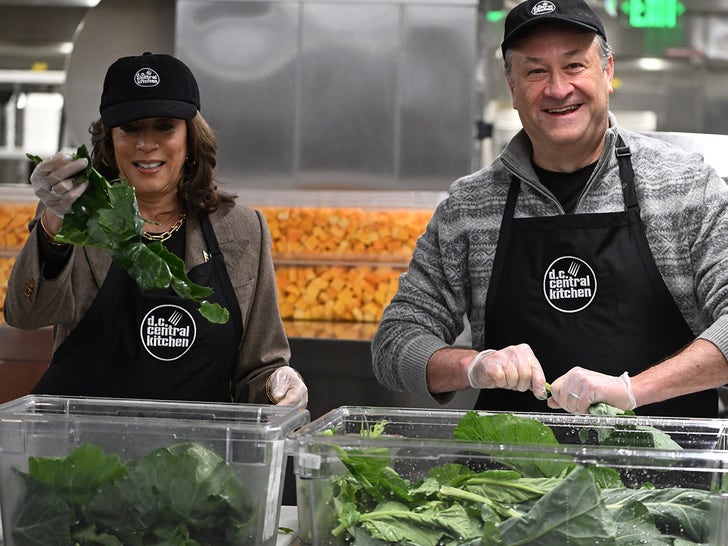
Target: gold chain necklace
[[161, 237]]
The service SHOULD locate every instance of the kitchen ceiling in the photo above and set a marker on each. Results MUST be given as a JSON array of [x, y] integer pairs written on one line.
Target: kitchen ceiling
[[39, 32]]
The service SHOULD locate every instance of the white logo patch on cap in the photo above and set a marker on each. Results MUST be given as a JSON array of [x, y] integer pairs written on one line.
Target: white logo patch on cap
[[542, 8], [146, 77], [569, 284]]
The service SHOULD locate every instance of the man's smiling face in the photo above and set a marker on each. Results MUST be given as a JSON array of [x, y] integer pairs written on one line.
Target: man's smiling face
[[560, 88]]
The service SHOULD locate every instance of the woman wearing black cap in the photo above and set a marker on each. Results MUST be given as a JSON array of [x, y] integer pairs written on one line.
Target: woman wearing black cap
[[111, 338]]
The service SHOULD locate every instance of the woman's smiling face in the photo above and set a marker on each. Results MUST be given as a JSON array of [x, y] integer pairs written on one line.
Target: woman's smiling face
[[150, 153]]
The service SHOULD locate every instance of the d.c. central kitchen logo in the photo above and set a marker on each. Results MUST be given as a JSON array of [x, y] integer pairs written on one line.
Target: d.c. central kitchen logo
[[168, 332], [569, 284]]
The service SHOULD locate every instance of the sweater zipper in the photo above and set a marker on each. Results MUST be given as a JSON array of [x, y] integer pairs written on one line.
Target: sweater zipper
[[539, 188]]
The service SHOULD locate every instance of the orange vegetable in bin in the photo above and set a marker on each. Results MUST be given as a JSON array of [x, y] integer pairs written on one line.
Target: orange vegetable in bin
[[335, 292], [14, 218], [387, 235]]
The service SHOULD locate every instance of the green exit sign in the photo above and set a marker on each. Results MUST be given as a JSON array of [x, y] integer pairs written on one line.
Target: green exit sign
[[653, 13]]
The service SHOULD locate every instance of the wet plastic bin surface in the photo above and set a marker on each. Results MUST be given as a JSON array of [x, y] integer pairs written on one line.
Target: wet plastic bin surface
[[663, 492], [217, 467]]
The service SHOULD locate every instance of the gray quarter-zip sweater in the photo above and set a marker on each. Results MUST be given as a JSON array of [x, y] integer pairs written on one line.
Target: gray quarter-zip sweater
[[684, 207]]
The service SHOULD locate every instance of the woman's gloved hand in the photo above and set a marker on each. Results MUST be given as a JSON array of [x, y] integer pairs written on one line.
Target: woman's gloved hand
[[285, 387], [579, 388], [514, 368], [52, 182]]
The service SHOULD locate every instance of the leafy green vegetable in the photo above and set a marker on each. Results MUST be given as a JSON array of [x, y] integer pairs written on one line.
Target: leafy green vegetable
[[181, 495], [574, 504], [626, 436], [107, 216], [535, 499], [510, 429]]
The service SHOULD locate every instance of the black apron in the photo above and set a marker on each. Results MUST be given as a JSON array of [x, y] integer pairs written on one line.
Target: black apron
[[151, 344], [584, 290]]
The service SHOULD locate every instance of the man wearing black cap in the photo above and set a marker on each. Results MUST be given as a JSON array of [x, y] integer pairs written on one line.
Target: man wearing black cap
[[586, 255]]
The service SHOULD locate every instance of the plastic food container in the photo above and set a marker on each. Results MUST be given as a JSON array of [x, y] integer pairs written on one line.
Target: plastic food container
[[145, 472], [414, 483]]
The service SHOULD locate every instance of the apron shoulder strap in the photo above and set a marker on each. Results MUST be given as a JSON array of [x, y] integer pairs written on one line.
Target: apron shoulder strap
[[218, 261], [626, 173]]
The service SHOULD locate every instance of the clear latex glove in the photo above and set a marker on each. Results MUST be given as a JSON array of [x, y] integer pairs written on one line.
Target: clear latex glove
[[52, 182], [285, 387], [579, 388], [514, 368]]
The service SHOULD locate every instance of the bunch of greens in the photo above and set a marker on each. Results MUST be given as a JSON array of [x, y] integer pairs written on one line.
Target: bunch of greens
[[183, 495], [107, 216], [526, 500]]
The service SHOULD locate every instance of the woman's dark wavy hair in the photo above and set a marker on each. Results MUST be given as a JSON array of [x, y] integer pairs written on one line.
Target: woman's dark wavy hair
[[197, 190]]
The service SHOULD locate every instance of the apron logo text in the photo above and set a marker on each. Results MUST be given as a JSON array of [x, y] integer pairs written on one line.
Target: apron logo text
[[569, 284], [167, 332]]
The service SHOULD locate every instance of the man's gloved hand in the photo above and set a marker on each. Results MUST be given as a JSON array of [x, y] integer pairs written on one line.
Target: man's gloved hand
[[285, 387], [52, 182], [579, 388], [514, 368]]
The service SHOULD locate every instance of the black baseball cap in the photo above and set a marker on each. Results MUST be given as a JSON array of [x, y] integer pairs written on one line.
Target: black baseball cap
[[527, 14], [148, 86]]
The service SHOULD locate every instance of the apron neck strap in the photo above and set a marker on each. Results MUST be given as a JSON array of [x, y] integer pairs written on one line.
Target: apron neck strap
[[626, 174]]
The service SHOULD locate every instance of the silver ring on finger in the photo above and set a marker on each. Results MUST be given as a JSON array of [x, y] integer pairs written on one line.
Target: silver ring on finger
[[53, 191], [574, 395]]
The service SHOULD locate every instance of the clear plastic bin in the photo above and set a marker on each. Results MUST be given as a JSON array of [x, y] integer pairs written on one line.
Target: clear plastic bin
[[574, 491], [153, 470]]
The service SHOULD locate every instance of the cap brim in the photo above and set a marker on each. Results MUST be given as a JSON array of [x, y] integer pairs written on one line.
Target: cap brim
[[118, 114], [518, 32]]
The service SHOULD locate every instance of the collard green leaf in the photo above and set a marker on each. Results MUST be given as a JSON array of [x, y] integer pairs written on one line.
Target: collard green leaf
[[371, 469], [638, 436], [508, 429], [571, 513], [107, 216], [90, 536], [214, 312], [508, 489], [177, 486], [605, 477], [503, 428], [429, 525], [678, 511], [178, 279], [181, 495], [636, 527], [42, 517], [144, 265], [76, 478]]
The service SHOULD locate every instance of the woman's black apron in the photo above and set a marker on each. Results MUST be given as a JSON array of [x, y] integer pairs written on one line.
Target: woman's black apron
[[151, 344], [584, 290]]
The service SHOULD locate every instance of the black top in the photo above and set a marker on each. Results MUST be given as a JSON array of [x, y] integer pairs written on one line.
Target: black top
[[566, 187]]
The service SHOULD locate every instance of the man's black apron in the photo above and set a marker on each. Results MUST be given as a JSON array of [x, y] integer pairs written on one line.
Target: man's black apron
[[154, 344], [584, 290]]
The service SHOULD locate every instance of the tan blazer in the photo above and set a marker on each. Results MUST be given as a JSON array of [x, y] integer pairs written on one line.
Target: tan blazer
[[35, 302]]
